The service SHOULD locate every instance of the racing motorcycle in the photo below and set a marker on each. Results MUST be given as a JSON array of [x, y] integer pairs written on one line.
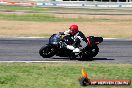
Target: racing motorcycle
[[57, 46]]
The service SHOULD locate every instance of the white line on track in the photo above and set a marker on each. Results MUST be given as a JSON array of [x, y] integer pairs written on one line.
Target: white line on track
[[33, 61]]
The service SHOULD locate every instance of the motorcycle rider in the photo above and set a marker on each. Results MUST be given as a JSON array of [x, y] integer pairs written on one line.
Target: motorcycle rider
[[80, 41]]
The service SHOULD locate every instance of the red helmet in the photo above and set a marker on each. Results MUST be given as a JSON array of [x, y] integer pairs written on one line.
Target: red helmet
[[73, 29]]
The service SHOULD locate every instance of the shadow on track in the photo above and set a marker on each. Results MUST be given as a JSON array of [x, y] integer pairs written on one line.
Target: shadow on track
[[83, 59], [102, 59]]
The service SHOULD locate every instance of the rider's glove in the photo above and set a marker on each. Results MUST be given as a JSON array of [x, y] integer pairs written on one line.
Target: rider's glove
[[70, 47], [67, 32], [76, 50]]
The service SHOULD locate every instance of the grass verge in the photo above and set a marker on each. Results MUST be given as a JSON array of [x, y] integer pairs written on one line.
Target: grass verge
[[18, 13], [59, 75], [52, 18], [13, 8], [40, 18]]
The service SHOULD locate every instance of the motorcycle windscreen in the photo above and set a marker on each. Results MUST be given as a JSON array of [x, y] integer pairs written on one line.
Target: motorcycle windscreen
[[54, 39]]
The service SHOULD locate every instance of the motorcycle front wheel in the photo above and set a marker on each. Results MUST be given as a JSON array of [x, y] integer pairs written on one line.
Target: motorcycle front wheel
[[47, 51]]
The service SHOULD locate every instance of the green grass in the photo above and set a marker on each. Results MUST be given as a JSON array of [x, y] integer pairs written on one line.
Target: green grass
[[29, 17], [34, 17], [59, 75], [108, 10], [52, 18], [44, 18], [13, 8], [37, 14], [40, 9]]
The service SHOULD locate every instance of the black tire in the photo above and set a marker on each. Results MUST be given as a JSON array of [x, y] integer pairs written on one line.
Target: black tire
[[86, 57], [90, 53], [47, 51]]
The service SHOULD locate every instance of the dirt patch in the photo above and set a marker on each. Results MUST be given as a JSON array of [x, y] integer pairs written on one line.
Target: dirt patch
[[25, 28]]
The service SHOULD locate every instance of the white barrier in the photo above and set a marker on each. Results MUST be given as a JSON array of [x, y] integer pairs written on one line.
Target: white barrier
[[107, 5], [84, 5], [89, 5], [49, 4], [68, 4], [39, 4], [126, 5]]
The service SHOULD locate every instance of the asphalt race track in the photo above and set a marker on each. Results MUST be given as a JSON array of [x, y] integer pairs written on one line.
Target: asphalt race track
[[26, 49]]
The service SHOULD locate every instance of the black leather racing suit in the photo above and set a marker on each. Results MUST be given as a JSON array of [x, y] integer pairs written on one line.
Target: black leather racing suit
[[80, 41]]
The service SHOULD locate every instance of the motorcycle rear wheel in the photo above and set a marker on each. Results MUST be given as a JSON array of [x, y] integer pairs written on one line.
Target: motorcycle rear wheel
[[47, 51], [90, 53], [94, 51]]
